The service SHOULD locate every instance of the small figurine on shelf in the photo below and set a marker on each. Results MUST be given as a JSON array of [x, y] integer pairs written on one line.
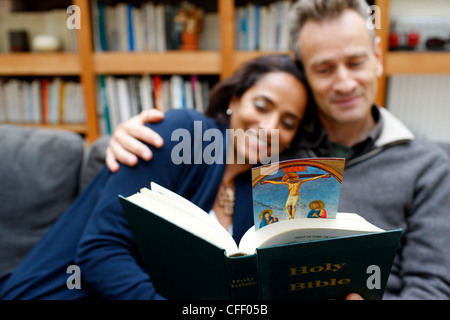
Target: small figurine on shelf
[[190, 20]]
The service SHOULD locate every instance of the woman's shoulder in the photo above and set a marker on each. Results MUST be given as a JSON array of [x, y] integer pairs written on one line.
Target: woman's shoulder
[[185, 119]]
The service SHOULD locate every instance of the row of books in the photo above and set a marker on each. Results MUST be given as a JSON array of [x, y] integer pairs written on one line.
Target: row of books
[[119, 98], [52, 101], [149, 27], [263, 27]]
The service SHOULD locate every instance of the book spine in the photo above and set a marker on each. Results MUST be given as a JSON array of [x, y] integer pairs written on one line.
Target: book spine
[[130, 28], [105, 106], [242, 275]]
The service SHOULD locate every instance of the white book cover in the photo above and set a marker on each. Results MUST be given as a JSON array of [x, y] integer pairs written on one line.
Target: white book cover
[[160, 30], [188, 94], [165, 90], [264, 26], [80, 107], [198, 97], [123, 99], [70, 101], [54, 102], [251, 45], [11, 92], [176, 92], [113, 104], [122, 26], [149, 25], [284, 28], [112, 32], [145, 90], [138, 29]]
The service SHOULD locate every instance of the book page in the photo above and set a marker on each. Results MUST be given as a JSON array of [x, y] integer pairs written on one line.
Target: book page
[[194, 209], [197, 222], [301, 230], [296, 189]]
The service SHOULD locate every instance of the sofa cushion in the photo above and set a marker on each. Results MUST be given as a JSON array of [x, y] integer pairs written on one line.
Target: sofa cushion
[[94, 160], [39, 179]]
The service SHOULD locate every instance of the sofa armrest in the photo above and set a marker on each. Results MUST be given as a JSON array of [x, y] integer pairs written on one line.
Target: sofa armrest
[[94, 160], [39, 179]]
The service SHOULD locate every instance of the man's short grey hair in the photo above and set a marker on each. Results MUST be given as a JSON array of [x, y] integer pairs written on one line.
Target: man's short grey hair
[[320, 10]]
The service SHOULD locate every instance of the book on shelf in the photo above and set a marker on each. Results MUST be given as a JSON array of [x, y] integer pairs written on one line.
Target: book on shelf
[[120, 98], [262, 27], [189, 255]]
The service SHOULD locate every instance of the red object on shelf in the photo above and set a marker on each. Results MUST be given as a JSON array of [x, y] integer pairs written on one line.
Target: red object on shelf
[[413, 39], [394, 40]]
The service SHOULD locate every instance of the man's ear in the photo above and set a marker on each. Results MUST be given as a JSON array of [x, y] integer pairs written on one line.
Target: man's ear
[[378, 56]]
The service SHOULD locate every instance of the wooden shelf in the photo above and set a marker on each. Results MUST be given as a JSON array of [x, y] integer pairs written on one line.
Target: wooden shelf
[[168, 62], [417, 63], [39, 64]]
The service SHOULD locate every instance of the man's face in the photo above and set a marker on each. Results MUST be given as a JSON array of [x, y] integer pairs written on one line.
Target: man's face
[[342, 67]]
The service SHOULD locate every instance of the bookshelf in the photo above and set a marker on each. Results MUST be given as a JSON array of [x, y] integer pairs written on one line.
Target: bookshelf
[[87, 63], [169, 62], [406, 62]]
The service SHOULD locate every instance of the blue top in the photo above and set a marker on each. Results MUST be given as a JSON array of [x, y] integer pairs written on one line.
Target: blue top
[[93, 233]]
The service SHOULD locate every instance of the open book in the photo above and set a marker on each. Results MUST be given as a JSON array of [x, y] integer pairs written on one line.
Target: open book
[[189, 255], [184, 214]]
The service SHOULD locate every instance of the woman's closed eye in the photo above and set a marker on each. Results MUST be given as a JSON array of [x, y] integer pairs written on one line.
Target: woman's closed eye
[[261, 106], [289, 123]]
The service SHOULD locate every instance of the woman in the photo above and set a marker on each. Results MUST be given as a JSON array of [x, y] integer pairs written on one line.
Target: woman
[[266, 218], [93, 238]]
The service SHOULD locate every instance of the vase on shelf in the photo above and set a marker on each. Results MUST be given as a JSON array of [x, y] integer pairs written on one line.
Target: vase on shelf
[[189, 41]]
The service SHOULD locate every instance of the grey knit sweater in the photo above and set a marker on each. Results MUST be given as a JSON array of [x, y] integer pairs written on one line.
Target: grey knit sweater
[[404, 181]]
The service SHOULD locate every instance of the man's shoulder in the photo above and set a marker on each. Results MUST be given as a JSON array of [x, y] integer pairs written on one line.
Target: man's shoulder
[[433, 148]]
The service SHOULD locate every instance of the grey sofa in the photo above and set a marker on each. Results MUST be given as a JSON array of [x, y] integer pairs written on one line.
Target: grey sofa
[[41, 173]]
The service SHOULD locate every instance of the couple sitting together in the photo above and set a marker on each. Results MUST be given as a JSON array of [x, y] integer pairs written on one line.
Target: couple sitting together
[[321, 104]]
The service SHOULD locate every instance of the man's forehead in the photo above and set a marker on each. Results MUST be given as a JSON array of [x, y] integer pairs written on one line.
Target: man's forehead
[[346, 35]]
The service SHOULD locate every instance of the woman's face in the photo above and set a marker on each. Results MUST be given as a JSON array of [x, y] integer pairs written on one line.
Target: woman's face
[[276, 103]]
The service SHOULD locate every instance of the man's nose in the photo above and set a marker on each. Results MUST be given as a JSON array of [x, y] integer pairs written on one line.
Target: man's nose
[[345, 81]]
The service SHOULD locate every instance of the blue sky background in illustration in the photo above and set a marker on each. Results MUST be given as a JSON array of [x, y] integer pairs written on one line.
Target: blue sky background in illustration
[[274, 196]]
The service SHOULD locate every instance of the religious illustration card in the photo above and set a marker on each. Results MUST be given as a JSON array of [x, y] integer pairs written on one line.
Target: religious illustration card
[[296, 189]]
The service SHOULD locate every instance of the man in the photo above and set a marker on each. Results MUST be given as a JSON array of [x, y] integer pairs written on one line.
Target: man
[[392, 178]]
